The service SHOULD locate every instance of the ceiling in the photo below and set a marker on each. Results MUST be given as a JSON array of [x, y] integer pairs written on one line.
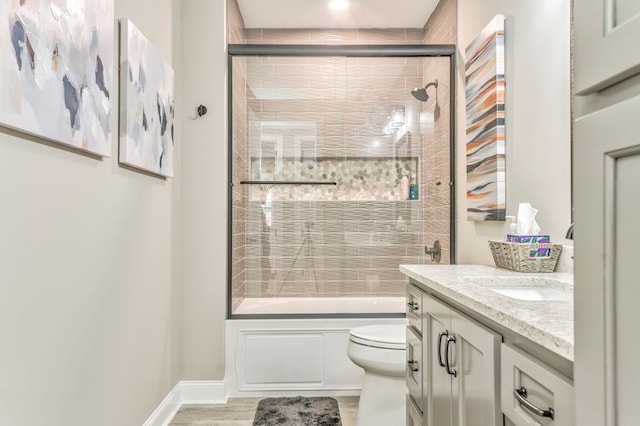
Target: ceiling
[[316, 14]]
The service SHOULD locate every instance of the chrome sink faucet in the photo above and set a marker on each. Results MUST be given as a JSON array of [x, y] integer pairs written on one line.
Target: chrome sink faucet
[[569, 235]]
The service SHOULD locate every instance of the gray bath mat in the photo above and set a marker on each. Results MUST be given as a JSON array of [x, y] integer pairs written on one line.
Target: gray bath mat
[[297, 411]]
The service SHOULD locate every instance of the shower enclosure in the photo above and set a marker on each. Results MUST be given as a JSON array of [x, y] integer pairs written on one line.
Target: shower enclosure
[[340, 169]]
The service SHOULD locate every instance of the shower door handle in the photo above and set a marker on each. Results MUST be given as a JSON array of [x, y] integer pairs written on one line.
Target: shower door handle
[[286, 182]]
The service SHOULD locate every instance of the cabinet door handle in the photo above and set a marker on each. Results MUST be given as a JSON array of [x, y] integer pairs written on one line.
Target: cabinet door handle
[[452, 371], [521, 396], [413, 306], [413, 365], [440, 336]]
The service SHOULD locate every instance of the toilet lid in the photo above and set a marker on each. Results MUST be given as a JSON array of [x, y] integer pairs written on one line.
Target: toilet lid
[[388, 336]]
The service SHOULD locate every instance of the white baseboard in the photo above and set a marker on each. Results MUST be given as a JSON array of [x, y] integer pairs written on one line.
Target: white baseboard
[[187, 392], [167, 409]]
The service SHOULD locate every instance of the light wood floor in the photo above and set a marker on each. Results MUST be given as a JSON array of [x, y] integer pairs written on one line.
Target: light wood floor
[[240, 412]]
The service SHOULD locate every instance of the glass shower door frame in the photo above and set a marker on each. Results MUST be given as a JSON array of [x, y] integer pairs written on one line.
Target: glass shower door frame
[[382, 51]]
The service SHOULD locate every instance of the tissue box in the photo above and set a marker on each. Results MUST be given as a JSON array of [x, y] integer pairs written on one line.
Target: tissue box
[[528, 239]]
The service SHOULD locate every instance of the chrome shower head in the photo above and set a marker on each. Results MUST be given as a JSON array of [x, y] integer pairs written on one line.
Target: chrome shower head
[[420, 93]]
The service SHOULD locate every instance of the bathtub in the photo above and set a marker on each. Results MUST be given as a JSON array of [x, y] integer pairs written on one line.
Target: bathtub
[[321, 305], [298, 356]]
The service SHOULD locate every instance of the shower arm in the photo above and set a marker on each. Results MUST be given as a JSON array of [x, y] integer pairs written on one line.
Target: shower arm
[[433, 83]]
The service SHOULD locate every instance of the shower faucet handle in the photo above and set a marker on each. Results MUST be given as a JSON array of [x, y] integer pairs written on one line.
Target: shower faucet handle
[[435, 252]]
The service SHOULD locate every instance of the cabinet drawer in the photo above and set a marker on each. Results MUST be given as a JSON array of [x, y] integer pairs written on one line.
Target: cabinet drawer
[[539, 386], [414, 416], [414, 307], [414, 366]]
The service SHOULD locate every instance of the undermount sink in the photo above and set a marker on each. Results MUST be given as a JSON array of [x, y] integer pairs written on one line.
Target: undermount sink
[[527, 288]]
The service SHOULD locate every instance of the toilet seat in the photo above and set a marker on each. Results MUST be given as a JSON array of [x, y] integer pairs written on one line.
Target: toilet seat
[[386, 336]]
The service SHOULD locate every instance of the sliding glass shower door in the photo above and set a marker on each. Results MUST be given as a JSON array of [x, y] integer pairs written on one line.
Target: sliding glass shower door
[[327, 161]]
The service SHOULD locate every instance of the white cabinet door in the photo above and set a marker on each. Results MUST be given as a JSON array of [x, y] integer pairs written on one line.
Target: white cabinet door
[[437, 382], [461, 382], [607, 266], [476, 385], [533, 393], [606, 42]]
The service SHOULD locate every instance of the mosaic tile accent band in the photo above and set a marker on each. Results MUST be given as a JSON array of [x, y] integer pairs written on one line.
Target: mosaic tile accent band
[[361, 179], [484, 75]]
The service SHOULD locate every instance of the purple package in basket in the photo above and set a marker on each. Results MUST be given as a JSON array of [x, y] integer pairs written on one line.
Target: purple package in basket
[[540, 252], [528, 238]]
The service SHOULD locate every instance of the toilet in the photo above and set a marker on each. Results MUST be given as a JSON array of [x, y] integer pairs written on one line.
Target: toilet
[[381, 351]]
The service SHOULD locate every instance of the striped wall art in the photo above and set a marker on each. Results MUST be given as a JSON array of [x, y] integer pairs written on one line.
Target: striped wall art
[[485, 107]]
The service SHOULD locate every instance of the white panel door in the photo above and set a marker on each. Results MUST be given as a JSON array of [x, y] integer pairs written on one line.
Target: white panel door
[[476, 387], [606, 41], [607, 291], [437, 382]]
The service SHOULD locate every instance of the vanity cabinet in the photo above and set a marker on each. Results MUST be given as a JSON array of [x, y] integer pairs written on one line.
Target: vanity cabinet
[[458, 365], [480, 348]]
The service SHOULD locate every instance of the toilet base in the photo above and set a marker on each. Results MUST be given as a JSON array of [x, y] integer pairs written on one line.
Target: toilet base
[[382, 401]]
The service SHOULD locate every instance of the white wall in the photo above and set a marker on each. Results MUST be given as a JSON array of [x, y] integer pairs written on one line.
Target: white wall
[[204, 189], [88, 281], [538, 119]]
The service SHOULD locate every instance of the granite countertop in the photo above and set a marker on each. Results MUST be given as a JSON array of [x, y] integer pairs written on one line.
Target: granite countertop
[[547, 323]]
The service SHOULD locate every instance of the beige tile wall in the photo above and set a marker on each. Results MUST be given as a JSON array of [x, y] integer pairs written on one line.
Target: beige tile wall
[[319, 108], [331, 248]]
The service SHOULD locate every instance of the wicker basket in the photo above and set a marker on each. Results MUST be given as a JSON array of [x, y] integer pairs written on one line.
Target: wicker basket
[[515, 256]]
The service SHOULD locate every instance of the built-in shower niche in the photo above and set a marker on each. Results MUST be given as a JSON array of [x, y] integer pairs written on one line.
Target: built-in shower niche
[[348, 178]]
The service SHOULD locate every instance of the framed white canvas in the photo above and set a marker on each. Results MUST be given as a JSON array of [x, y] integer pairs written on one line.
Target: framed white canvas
[[146, 104], [56, 71]]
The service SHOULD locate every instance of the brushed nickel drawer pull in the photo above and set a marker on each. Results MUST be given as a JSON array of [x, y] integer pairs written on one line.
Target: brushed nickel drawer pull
[[521, 396]]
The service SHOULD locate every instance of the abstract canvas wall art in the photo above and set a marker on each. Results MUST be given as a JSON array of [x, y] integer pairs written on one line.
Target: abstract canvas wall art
[[146, 104], [485, 108], [56, 71]]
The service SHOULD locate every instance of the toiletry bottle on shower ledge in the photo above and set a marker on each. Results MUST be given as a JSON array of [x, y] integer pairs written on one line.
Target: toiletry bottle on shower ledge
[[413, 188], [404, 188]]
